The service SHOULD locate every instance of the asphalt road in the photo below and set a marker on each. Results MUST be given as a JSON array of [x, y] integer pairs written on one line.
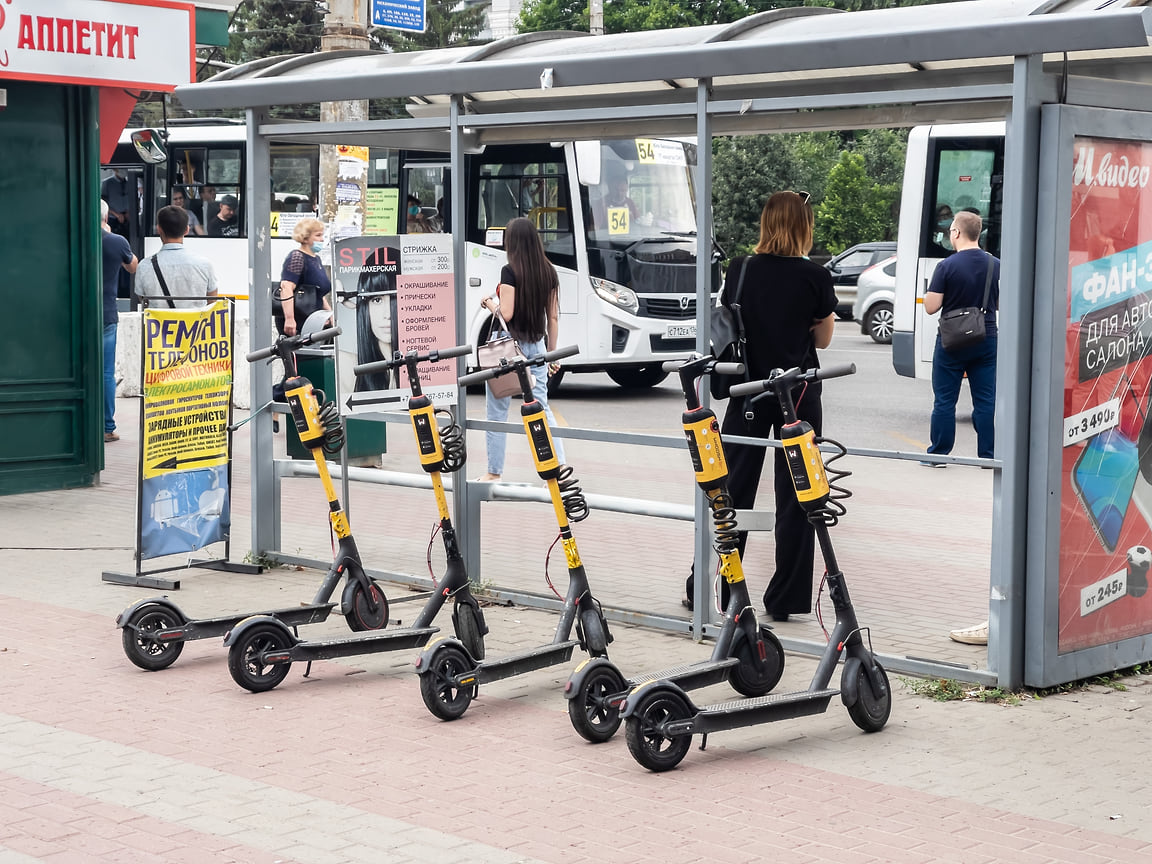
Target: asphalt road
[[874, 409]]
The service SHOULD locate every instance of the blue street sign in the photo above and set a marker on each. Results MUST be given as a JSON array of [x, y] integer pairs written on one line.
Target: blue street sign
[[399, 14]]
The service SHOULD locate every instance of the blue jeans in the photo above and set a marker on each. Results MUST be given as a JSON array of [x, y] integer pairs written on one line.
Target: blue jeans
[[948, 369], [497, 410], [109, 377]]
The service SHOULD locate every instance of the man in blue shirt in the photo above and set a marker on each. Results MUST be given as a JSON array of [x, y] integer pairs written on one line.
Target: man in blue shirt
[[117, 256]]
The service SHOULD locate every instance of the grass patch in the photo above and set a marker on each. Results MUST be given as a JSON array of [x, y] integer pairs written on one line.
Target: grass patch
[[951, 690]]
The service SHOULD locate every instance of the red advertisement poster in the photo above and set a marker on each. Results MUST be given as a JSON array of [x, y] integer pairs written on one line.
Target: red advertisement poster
[[1106, 469]]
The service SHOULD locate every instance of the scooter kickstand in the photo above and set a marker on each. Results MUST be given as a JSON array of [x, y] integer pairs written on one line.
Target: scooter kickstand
[[703, 741]]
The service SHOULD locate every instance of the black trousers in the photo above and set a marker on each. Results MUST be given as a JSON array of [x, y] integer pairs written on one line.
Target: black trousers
[[790, 588]]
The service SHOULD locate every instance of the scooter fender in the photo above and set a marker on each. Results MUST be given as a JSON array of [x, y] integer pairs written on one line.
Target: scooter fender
[[628, 706], [237, 633], [849, 681], [424, 658], [124, 617], [587, 666]]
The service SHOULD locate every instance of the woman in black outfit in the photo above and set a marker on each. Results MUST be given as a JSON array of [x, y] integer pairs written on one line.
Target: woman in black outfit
[[787, 305]]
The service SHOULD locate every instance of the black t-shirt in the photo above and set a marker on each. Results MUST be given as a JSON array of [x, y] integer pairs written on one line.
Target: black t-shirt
[[780, 300], [961, 277], [217, 227], [516, 325]]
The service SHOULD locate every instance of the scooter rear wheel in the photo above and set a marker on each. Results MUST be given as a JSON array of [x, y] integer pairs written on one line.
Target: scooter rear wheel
[[468, 629], [753, 676], [647, 742], [592, 715], [442, 695], [360, 616], [147, 653], [870, 712], [245, 665]]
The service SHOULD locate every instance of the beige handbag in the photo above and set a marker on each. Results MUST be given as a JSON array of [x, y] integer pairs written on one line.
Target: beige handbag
[[501, 346]]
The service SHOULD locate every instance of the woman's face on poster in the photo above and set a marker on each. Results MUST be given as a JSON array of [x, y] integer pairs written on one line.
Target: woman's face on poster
[[380, 318]]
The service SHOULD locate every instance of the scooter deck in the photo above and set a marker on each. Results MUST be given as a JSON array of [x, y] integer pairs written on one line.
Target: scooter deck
[[206, 628], [371, 642], [762, 709], [689, 676], [527, 661]]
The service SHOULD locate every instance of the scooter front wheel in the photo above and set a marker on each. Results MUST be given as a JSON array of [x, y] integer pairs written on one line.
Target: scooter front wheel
[[870, 712], [645, 733], [145, 651], [465, 618], [245, 662], [753, 676], [593, 716], [442, 695], [361, 616], [593, 632]]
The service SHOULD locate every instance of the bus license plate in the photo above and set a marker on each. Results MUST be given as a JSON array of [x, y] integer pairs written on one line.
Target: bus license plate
[[680, 331]]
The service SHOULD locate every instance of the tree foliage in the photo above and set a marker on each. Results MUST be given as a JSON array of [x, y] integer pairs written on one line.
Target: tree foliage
[[855, 209], [269, 28]]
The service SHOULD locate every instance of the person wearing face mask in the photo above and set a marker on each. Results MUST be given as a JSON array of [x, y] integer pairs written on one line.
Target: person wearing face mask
[[940, 246], [304, 284], [415, 222], [120, 195]]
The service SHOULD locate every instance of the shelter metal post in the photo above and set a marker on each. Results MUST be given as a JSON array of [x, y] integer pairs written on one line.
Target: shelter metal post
[[465, 517], [1014, 375], [702, 604], [258, 201]]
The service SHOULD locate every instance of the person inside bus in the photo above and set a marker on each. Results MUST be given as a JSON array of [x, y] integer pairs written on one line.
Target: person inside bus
[[415, 223], [179, 199], [788, 309], [528, 299], [615, 197], [118, 192], [225, 223], [940, 246], [304, 285], [205, 206]]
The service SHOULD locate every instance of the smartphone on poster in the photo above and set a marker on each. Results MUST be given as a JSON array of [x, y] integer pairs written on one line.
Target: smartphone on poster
[[1106, 472]]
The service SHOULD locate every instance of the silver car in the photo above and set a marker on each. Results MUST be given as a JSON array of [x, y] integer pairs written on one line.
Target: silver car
[[875, 296]]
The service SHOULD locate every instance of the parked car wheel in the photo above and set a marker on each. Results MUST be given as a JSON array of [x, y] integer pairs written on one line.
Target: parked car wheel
[[879, 323]]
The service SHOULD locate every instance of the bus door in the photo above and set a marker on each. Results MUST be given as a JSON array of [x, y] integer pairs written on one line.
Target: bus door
[[123, 187], [529, 181]]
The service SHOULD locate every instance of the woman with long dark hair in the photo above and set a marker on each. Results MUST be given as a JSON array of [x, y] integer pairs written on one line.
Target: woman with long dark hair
[[787, 304], [375, 326], [528, 299]]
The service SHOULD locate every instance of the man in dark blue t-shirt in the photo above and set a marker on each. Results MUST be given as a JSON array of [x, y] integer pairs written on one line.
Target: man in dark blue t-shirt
[[959, 281], [117, 256]]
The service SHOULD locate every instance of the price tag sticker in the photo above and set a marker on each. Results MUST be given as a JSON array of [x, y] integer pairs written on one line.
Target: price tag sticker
[[1080, 427], [1100, 594]]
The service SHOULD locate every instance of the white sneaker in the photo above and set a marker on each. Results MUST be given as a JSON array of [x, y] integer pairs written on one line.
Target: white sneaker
[[977, 635]]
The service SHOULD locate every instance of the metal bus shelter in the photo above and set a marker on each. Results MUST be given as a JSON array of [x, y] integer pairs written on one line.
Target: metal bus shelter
[[794, 69]]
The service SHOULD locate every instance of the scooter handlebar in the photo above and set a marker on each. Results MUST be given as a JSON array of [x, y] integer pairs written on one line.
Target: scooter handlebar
[[401, 359], [728, 369], [291, 343], [539, 360], [751, 388]]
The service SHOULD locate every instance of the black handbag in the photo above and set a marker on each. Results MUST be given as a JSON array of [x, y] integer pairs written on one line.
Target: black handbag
[[961, 328], [306, 300], [728, 341]]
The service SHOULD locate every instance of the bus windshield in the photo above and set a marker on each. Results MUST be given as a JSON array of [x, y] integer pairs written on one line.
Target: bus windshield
[[645, 191]]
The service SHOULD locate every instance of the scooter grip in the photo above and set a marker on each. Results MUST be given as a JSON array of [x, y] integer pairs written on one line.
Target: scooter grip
[[671, 365], [748, 388], [374, 366], [837, 371], [260, 354], [479, 377], [728, 369], [325, 335], [559, 354], [457, 351]]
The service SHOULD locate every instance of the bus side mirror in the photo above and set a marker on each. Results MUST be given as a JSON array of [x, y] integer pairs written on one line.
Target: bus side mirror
[[149, 144]]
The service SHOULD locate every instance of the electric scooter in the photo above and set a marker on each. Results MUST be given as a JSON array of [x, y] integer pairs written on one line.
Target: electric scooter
[[261, 649], [660, 719], [155, 630], [450, 674], [748, 656]]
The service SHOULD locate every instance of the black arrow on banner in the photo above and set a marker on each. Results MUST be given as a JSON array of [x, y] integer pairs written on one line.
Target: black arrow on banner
[[353, 402], [169, 464]]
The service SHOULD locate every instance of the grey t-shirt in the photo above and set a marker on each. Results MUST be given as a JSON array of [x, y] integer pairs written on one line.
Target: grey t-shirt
[[185, 274]]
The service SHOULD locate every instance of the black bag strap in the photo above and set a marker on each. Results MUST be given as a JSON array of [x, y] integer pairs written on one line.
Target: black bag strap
[[735, 305], [163, 284], [987, 282]]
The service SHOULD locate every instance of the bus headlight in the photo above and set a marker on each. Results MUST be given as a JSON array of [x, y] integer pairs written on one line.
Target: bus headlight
[[615, 294]]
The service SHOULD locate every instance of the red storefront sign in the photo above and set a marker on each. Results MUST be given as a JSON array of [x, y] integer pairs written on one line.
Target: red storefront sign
[[142, 44]]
